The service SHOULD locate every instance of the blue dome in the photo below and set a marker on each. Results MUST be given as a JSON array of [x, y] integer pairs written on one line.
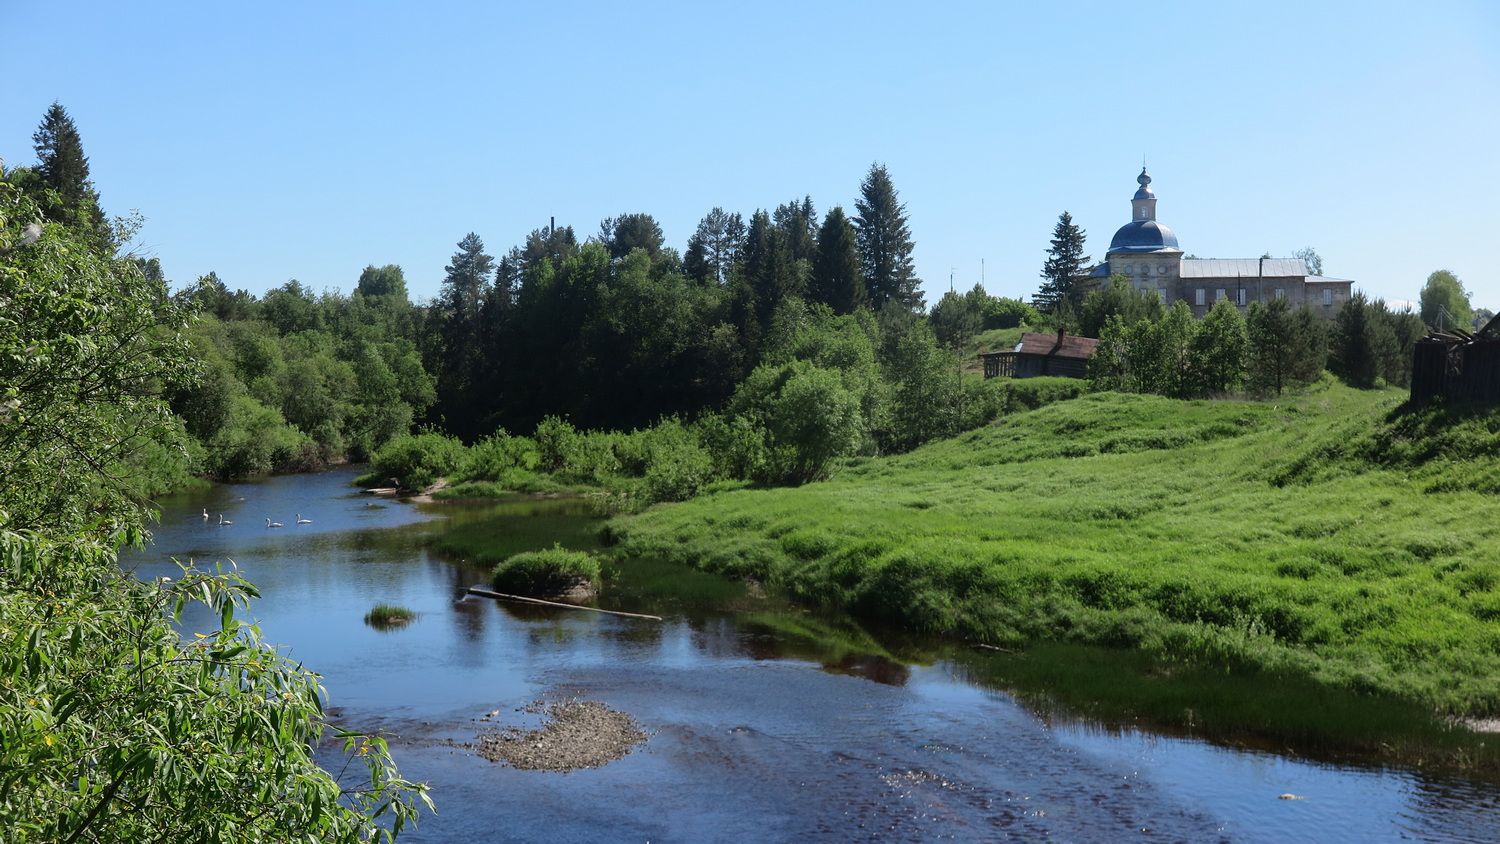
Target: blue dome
[[1143, 236]]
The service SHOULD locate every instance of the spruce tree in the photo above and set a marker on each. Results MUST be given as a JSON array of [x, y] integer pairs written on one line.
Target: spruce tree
[[695, 260], [837, 280], [1286, 348], [63, 169], [459, 325], [885, 243], [1064, 266], [800, 222]]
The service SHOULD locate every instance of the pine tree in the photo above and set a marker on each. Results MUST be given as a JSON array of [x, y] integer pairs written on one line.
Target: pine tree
[[1064, 266], [712, 248], [885, 243], [837, 280], [631, 231]]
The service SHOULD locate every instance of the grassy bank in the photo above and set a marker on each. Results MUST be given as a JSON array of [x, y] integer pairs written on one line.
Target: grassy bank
[[1326, 537]]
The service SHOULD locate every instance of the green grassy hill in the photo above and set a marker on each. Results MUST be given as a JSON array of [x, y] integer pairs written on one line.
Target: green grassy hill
[[1330, 537]]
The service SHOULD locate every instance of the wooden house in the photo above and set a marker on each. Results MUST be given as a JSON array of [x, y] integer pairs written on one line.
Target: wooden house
[[1042, 354], [1457, 365]]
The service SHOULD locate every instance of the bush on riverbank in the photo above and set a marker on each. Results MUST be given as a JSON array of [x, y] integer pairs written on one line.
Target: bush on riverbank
[[415, 460], [1181, 528], [555, 570]]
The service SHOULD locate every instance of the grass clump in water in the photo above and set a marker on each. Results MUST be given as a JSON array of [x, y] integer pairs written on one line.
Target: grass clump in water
[[555, 570], [388, 616]]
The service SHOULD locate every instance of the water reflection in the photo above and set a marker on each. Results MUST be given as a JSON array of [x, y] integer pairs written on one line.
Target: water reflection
[[768, 722]]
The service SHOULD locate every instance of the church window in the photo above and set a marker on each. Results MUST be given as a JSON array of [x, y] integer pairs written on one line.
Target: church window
[[1199, 297], [1161, 293], [1220, 294], [1327, 296], [1240, 297], [1281, 293]]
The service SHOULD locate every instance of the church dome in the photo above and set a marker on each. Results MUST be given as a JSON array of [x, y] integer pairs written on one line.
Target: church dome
[[1143, 236]]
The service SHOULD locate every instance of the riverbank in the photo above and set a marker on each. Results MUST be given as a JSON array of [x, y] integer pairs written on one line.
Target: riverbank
[[1328, 537]]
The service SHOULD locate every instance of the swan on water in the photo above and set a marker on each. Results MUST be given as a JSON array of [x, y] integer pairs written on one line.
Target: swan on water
[[302, 521], [224, 521], [270, 523], [205, 513]]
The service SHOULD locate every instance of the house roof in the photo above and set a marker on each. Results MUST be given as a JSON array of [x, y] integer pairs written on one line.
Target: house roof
[[1052, 345], [1243, 268]]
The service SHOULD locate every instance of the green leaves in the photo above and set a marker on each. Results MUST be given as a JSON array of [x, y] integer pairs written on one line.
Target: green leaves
[[113, 725]]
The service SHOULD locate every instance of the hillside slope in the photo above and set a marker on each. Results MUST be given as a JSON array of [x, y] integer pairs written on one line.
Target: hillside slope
[[1329, 536]]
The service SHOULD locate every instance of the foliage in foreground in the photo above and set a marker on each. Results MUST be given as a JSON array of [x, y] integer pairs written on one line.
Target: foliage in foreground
[[113, 725], [1240, 536], [115, 729]]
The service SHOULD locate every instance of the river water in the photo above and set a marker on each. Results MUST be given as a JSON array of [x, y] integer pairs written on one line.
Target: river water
[[756, 733]]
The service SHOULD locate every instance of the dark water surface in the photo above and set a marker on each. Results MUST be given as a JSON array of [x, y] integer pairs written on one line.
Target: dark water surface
[[756, 734]]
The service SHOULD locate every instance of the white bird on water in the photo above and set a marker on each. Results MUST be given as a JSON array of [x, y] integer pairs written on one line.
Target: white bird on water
[[270, 523], [205, 514], [224, 521], [302, 521]]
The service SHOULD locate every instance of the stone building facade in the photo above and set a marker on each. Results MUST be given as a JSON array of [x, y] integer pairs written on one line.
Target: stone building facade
[[1145, 252]]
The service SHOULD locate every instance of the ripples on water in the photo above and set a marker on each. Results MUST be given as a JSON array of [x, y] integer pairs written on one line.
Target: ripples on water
[[754, 737]]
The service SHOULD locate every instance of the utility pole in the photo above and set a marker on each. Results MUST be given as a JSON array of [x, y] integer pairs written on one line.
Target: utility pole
[[1260, 282]]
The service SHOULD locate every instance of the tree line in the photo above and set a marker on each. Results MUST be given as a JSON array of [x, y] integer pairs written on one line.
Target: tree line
[[615, 332]]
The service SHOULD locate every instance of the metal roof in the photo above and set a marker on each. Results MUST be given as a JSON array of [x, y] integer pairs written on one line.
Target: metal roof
[[1243, 267], [1143, 236], [1052, 345]]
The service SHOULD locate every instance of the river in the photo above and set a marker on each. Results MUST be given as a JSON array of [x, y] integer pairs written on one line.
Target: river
[[757, 732]]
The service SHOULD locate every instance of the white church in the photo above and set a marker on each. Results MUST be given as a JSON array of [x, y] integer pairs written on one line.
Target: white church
[[1145, 252]]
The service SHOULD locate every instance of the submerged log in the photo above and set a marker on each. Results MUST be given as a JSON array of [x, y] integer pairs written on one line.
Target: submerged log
[[489, 593]]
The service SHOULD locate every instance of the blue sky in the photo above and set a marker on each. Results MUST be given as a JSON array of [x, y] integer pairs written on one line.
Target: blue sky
[[268, 141]]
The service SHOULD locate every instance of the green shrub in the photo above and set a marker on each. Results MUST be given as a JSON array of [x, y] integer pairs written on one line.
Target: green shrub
[[735, 445], [1001, 312], [415, 461], [677, 465], [556, 443], [553, 570], [499, 455], [573, 455]]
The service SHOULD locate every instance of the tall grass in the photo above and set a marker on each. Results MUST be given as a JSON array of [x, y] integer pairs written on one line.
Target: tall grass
[[1332, 537], [554, 569]]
